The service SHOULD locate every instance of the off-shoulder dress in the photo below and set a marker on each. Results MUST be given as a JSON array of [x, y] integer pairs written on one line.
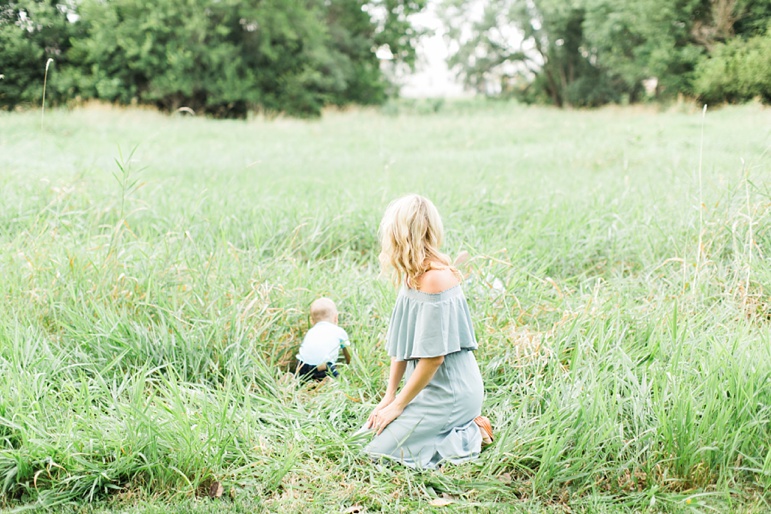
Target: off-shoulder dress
[[438, 424]]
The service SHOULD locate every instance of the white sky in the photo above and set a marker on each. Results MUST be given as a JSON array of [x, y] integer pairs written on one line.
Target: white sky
[[431, 79]]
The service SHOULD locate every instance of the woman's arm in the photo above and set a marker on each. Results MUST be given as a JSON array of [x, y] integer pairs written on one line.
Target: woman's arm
[[424, 372], [395, 374]]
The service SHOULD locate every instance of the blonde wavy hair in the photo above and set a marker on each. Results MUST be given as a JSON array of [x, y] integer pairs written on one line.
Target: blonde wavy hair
[[411, 233]]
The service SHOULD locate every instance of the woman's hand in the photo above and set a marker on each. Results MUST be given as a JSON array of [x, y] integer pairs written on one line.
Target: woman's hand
[[395, 374], [385, 402], [382, 418], [392, 407]]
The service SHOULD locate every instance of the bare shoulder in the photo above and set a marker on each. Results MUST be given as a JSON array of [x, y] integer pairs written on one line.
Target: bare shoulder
[[437, 280]]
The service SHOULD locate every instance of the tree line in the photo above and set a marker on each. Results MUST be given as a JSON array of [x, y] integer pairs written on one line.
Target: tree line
[[222, 57], [593, 52], [227, 57]]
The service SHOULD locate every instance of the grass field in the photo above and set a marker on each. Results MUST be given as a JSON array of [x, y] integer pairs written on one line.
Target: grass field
[[156, 274]]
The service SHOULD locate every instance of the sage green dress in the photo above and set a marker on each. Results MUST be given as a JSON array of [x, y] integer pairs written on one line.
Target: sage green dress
[[438, 424]]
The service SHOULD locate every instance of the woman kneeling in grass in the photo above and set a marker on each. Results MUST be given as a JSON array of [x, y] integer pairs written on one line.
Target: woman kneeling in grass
[[436, 415]]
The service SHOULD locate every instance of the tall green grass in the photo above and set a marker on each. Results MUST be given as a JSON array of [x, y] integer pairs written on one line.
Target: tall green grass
[[157, 272]]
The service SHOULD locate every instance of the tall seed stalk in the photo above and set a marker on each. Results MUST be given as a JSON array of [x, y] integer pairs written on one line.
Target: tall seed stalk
[[701, 196], [43, 105], [746, 173]]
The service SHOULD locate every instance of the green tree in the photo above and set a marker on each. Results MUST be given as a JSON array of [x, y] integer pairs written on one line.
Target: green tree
[[632, 41], [749, 17], [588, 52], [736, 71], [535, 49], [223, 57], [394, 28], [352, 36], [219, 57], [30, 34]]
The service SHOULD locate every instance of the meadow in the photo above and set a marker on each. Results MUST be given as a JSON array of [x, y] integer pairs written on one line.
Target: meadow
[[157, 270]]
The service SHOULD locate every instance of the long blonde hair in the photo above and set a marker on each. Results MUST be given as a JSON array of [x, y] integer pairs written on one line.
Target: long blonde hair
[[411, 233]]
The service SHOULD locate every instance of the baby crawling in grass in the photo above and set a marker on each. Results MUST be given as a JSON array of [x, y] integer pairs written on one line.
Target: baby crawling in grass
[[321, 346]]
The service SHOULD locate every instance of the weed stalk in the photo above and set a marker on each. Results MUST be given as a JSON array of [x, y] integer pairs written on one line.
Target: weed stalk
[[43, 104], [701, 197]]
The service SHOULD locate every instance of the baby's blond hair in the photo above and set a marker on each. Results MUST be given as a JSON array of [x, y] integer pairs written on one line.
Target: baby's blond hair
[[323, 309], [411, 233]]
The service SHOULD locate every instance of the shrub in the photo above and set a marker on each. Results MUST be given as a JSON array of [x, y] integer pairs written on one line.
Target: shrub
[[736, 71]]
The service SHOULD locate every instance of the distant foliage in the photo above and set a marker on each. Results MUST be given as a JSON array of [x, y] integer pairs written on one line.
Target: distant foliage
[[592, 52], [27, 41], [222, 57], [737, 71]]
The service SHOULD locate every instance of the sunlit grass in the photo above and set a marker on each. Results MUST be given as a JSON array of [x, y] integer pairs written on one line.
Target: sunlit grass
[[157, 273]]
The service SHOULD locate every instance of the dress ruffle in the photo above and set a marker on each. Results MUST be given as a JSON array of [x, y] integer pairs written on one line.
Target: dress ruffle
[[430, 325]]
